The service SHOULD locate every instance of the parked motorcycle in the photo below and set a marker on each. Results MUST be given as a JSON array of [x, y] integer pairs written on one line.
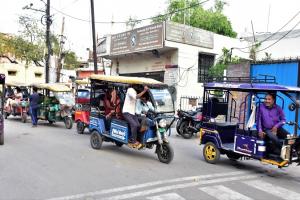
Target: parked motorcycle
[[189, 122]]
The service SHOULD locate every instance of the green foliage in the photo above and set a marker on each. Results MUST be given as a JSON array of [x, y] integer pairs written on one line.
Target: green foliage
[[218, 69], [5, 47], [26, 51], [71, 61], [212, 19]]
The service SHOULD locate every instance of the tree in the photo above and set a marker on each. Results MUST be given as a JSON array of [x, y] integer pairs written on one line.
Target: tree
[[218, 69], [132, 22], [70, 60], [212, 19]]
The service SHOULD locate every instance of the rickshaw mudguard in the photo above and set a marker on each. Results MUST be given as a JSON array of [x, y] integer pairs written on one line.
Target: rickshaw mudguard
[[211, 138], [97, 124], [82, 116]]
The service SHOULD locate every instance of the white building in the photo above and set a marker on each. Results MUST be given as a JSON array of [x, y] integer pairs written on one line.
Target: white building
[[176, 54], [281, 45]]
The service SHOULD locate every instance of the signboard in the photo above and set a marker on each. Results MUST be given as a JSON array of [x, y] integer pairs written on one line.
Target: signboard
[[141, 39], [189, 35]]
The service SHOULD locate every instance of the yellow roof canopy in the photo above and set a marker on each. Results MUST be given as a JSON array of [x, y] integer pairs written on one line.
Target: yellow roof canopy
[[82, 81], [54, 87], [16, 84], [126, 79]]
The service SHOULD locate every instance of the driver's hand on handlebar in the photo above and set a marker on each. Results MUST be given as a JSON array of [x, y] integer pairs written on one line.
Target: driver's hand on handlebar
[[261, 135]]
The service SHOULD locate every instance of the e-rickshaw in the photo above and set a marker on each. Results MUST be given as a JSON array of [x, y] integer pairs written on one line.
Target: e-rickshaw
[[82, 105], [235, 134], [56, 103], [20, 108], [2, 97], [117, 130]]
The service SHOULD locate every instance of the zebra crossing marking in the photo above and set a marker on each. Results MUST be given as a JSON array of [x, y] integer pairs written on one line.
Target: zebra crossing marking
[[273, 189], [177, 186], [168, 196], [144, 185], [223, 193]]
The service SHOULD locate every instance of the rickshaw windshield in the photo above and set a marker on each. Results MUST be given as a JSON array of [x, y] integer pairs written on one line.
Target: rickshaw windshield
[[83, 93], [65, 98], [162, 100]]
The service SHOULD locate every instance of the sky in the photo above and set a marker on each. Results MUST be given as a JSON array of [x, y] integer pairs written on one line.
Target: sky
[[79, 34]]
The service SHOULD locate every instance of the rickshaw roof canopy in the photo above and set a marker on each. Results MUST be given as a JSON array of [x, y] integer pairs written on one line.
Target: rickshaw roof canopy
[[251, 87], [54, 87], [127, 80], [82, 81], [16, 84]]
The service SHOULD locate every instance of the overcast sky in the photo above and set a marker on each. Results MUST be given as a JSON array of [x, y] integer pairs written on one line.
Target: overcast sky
[[78, 33]]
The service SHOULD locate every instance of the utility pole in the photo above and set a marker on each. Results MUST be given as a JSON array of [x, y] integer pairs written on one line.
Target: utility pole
[[61, 55], [48, 43], [94, 38]]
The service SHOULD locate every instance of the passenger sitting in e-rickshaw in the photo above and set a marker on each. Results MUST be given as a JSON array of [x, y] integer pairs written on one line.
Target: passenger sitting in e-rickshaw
[[112, 106], [270, 119], [13, 102]]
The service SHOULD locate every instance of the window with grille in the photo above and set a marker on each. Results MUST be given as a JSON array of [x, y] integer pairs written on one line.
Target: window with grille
[[205, 61]]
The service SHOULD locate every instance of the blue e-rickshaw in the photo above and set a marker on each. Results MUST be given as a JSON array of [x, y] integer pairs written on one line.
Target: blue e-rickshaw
[[116, 130], [230, 108]]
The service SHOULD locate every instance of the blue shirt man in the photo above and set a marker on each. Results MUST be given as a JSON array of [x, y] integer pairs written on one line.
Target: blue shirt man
[[34, 106]]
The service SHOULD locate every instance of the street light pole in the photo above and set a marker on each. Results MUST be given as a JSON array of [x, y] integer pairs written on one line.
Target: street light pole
[[48, 44], [94, 38]]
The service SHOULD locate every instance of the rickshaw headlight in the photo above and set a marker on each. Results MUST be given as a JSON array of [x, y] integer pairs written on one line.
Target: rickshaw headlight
[[162, 123]]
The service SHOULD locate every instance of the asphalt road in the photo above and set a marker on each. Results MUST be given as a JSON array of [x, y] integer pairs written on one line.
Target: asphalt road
[[51, 162]]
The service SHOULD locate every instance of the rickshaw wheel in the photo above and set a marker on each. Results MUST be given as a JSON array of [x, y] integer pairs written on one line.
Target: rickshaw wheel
[[165, 153], [68, 123], [1, 139], [24, 118], [80, 127], [96, 140], [184, 131], [211, 153]]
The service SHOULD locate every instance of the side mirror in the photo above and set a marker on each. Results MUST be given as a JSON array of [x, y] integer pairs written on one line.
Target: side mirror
[[292, 107]]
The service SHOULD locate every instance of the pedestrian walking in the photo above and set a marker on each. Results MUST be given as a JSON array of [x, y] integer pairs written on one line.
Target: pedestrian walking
[[34, 106]]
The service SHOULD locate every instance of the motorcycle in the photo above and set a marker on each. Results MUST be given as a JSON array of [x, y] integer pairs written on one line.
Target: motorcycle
[[189, 122]]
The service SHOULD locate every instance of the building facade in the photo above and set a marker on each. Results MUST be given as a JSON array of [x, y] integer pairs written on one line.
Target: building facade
[[176, 54]]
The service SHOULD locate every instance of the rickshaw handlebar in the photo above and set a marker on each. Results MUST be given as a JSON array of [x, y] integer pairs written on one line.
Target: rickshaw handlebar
[[291, 123]]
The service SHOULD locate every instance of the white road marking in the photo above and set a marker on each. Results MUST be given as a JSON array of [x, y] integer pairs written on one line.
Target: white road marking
[[273, 189], [149, 184], [178, 186], [223, 193], [169, 196]]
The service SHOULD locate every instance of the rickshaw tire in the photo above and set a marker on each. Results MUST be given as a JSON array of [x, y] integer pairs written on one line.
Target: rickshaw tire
[[24, 118], [211, 153], [169, 154], [118, 144], [80, 127], [5, 115], [96, 140], [68, 122], [2, 139]]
